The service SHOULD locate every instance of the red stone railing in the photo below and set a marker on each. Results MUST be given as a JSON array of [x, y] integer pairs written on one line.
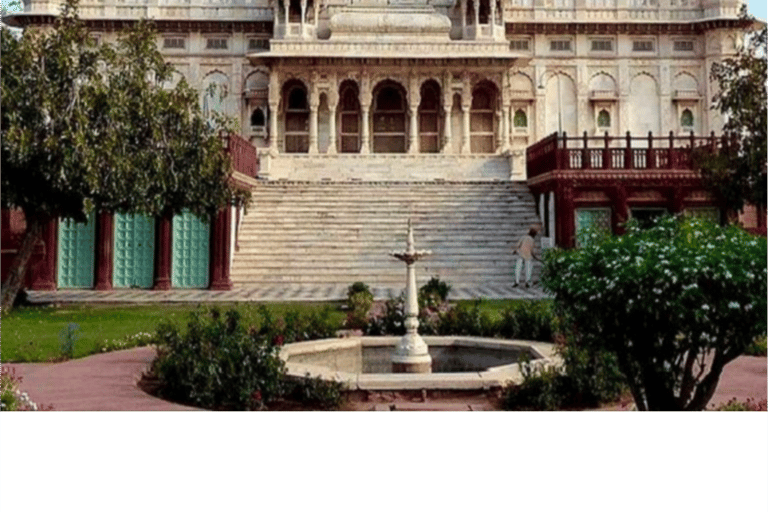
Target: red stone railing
[[560, 152], [243, 155]]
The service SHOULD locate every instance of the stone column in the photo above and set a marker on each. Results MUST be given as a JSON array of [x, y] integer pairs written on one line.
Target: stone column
[[45, 272], [465, 137], [447, 135], [303, 16], [314, 103], [366, 98], [163, 241], [333, 102], [414, 98], [105, 241], [220, 244], [274, 104], [413, 132]]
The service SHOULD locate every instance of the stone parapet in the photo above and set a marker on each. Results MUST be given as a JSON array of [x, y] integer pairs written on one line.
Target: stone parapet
[[385, 167]]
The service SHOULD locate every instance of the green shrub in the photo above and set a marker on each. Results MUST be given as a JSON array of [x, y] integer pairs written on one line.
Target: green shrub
[[759, 347], [217, 363], [467, 319], [12, 398], [660, 299], [748, 405], [586, 379], [528, 320], [390, 322], [359, 302], [433, 294], [315, 393]]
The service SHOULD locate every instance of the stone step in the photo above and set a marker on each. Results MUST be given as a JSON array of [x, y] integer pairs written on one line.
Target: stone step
[[338, 233]]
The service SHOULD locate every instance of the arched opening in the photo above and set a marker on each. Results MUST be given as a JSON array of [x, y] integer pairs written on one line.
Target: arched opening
[[296, 117], [520, 120], [482, 113], [429, 118], [349, 118], [258, 119], [484, 13], [603, 119], [470, 13], [686, 119], [294, 11], [389, 119]]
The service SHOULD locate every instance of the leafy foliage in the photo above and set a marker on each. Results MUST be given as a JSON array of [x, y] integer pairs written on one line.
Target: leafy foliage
[[359, 302], [738, 173], [217, 363], [90, 126], [674, 303]]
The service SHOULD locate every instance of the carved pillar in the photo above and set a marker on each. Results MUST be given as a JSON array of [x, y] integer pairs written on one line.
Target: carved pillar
[[333, 102], [414, 98], [220, 245], [163, 241], [447, 135], [314, 103], [45, 272], [506, 105], [274, 105], [477, 15], [303, 17], [465, 144], [365, 105], [105, 241], [463, 18]]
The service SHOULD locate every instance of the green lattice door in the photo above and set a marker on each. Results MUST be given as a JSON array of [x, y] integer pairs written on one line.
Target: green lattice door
[[134, 254], [589, 219], [76, 253], [191, 239]]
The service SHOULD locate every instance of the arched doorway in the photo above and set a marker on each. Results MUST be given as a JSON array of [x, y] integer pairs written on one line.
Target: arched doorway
[[390, 130], [349, 118], [482, 118], [429, 118], [296, 117]]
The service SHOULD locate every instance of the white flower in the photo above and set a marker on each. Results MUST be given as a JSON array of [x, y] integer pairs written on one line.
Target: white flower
[[733, 304]]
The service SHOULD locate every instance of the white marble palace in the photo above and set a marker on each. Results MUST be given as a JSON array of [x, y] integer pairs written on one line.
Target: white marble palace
[[384, 105]]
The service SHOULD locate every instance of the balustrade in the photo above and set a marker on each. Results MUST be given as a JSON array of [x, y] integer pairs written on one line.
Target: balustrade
[[560, 152]]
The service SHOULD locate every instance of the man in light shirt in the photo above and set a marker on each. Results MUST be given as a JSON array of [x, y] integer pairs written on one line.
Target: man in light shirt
[[524, 252]]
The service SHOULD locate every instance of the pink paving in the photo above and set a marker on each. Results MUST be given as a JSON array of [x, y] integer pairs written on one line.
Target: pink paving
[[107, 382]]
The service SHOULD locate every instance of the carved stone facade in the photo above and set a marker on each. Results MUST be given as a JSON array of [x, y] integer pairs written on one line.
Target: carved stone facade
[[451, 77]]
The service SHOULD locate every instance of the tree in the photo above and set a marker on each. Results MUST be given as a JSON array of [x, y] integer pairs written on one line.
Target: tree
[[738, 172], [88, 126], [675, 303]]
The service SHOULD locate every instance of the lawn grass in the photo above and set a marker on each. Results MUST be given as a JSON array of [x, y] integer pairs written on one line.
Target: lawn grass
[[34, 333]]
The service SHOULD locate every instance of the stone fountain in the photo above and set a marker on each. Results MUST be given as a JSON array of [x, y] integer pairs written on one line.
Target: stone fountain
[[411, 353]]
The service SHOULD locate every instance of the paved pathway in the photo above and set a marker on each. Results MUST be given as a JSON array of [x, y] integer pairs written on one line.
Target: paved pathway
[[281, 293], [107, 382]]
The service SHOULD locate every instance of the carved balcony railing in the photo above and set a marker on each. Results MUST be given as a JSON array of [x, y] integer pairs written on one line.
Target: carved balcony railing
[[563, 153], [243, 155]]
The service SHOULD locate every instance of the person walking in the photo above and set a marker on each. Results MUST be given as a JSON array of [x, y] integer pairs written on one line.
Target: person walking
[[524, 252]]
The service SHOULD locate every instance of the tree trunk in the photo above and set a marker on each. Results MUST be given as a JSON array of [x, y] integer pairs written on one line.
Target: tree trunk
[[18, 270]]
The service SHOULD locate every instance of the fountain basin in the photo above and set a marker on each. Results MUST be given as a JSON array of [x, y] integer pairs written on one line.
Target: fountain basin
[[458, 362]]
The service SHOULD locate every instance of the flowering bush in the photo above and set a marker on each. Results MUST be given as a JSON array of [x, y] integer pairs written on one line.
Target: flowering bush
[[11, 398], [140, 339], [217, 363], [748, 405], [675, 303]]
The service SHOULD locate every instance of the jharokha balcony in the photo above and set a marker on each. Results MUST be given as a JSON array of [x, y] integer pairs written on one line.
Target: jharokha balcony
[[604, 180]]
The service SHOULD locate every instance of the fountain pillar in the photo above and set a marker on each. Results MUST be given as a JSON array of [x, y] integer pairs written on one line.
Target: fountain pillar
[[411, 354]]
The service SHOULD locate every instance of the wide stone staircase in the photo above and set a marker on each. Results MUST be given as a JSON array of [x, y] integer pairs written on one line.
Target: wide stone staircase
[[336, 233]]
